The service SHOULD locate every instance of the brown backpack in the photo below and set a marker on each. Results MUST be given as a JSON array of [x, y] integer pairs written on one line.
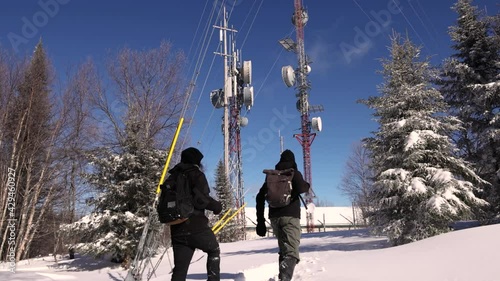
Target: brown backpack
[[279, 187]]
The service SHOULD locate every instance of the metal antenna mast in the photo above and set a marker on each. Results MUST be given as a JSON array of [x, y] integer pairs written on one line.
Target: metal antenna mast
[[237, 93], [298, 78]]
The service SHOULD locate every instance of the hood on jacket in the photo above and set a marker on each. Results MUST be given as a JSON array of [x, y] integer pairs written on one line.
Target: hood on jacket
[[287, 161], [191, 155]]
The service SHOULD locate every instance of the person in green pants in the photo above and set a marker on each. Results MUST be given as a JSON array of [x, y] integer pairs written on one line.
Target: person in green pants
[[285, 221]]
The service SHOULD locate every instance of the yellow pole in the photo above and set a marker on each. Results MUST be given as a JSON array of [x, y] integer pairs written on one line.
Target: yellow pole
[[172, 146], [221, 220], [230, 218]]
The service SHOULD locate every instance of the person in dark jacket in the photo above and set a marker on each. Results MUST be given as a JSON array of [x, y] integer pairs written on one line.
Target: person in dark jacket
[[195, 233], [285, 221]]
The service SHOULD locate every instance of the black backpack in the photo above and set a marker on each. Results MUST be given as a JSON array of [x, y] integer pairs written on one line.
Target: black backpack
[[175, 204], [279, 187]]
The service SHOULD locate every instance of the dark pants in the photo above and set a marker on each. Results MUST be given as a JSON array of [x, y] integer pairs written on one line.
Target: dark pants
[[184, 247], [288, 232]]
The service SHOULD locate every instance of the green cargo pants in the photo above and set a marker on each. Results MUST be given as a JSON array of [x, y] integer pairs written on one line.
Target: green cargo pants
[[287, 230]]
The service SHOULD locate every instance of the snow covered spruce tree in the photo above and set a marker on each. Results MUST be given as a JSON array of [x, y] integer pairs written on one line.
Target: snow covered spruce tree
[[420, 186], [470, 83], [230, 232], [128, 162], [125, 183]]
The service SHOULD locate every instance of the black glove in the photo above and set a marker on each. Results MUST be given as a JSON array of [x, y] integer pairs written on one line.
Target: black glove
[[261, 228], [215, 206]]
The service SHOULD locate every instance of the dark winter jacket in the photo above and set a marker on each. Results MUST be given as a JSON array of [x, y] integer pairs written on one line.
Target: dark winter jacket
[[190, 164], [299, 185]]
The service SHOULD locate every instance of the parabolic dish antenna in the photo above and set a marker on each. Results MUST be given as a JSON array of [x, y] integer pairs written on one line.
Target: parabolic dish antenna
[[316, 124], [288, 75], [308, 69], [299, 105], [304, 17], [243, 121], [217, 98]]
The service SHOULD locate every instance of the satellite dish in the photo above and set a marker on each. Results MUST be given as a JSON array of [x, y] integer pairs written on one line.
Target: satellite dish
[[248, 96], [304, 17], [308, 69], [316, 124], [299, 105], [217, 98], [288, 75], [246, 72], [243, 121]]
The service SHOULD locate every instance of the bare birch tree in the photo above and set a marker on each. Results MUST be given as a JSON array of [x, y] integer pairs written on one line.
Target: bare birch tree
[[146, 91], [357, 179], [37, 134], [46, 136], [76, 138], [137, 116], [26, 141], [11, 71], [32, 124]]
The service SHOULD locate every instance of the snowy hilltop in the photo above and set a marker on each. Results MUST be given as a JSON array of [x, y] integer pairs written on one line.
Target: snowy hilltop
[[352, 255]]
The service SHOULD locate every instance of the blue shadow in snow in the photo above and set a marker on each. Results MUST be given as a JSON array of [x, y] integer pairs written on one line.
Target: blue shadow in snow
[[231, 276], [341, 246]]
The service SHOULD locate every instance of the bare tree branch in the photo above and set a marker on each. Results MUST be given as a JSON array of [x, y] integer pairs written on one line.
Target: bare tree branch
[[357, 179]]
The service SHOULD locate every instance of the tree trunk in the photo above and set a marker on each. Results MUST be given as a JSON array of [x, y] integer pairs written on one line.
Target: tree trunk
[[14, 164], [24, 223], [32, 230], [41, 183]]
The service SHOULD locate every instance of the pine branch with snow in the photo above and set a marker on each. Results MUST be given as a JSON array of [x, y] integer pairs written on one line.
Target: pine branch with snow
[[126, 185]]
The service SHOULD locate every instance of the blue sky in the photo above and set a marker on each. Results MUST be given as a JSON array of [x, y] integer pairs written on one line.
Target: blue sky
[[344, 39]]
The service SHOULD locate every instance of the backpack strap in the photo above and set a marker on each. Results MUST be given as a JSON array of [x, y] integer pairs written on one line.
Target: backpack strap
[[303, 202]]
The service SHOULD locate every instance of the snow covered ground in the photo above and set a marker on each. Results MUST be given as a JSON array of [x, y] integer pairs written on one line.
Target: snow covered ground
[[463, 255]]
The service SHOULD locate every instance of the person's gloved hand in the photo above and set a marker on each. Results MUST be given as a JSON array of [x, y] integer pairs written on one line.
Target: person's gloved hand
[[215, 206], [261, 228]]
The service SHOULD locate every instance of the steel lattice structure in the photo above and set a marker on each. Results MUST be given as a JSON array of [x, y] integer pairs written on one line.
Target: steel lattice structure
[[235, 161], [305, 138], [298, 77], [237, 94]]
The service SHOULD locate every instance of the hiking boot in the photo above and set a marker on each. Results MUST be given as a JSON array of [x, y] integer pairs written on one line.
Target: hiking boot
[[287, 266], [213, 268]]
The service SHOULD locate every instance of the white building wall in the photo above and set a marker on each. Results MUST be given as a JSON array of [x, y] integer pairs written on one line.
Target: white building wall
[[329, 216]]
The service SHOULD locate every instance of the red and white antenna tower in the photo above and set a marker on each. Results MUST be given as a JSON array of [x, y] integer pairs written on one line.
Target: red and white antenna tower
[[298, 78]]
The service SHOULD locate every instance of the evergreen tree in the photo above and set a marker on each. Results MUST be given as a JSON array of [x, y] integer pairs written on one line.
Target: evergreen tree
[[126, 183], [420, 186], [470, 83], [230, 232]]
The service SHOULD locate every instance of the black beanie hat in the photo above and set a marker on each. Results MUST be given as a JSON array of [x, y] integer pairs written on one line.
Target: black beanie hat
[[191, 155], [287, 156]]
